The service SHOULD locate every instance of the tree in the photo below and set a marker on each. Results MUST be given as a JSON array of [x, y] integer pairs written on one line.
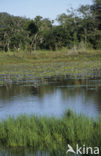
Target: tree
[[12, 33], [69, 22], [96, 9], [32, 29], [96, 12], [86, 23], [44, 36]]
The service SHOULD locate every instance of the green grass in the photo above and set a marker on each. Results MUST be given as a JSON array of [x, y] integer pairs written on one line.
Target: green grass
[[50, 134], [42, 64]]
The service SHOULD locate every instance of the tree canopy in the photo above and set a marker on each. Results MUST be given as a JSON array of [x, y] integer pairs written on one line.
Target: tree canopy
[[81, 25]]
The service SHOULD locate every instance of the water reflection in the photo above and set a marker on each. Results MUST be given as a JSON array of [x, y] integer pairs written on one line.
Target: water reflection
[[54, 98], [30, 152], [21, 152]]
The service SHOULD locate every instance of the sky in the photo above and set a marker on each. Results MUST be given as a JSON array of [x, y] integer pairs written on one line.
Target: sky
[[45, 8]]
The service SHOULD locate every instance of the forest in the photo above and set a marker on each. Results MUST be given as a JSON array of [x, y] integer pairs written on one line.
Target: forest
[[80, 27]]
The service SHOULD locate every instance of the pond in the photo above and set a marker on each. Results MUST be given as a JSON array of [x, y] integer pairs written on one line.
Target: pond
[[52, 98]]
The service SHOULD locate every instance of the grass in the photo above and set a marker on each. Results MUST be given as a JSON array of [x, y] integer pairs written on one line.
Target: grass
[[50, 134], [40, 64]]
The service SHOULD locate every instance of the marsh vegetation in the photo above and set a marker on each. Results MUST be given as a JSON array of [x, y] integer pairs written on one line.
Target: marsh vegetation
[[50, 134], [42, 64]]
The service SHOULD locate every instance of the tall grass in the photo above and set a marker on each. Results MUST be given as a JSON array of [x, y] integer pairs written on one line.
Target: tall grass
[[50, 133]]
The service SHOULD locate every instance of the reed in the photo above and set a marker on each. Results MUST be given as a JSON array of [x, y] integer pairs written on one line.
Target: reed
[[50, 134]]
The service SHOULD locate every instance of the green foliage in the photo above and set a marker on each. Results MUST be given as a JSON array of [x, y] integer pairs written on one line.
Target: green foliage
[[81, 25], [50, 133], [96, 9], [12, 33]]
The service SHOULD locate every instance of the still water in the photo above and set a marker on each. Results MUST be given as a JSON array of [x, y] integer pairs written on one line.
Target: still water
[[49, 99], [52, 98], [22, 152]]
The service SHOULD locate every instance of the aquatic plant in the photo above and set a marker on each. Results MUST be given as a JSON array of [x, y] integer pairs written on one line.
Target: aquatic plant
[[50, 134], [42, 64]]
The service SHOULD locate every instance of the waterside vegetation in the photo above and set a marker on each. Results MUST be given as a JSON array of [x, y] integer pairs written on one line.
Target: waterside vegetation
[[50, 134], [75, 63]]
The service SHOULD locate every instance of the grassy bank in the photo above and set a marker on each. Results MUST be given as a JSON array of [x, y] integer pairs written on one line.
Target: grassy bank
[[50, 63], [50, 133]]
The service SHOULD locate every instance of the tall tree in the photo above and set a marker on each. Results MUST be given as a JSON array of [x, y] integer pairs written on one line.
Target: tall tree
[[96, 8], [32, 29], [96, 11]]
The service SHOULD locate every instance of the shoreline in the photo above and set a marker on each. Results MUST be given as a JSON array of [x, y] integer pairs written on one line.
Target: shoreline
[[50, 130], [40, 65]]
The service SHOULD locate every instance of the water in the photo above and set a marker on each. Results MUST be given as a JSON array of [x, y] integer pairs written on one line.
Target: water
[[49, 99], [22, 152], [52, 99]]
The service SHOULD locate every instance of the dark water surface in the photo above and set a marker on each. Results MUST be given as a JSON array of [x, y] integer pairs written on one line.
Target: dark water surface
[[21, 152], [52, 99]]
